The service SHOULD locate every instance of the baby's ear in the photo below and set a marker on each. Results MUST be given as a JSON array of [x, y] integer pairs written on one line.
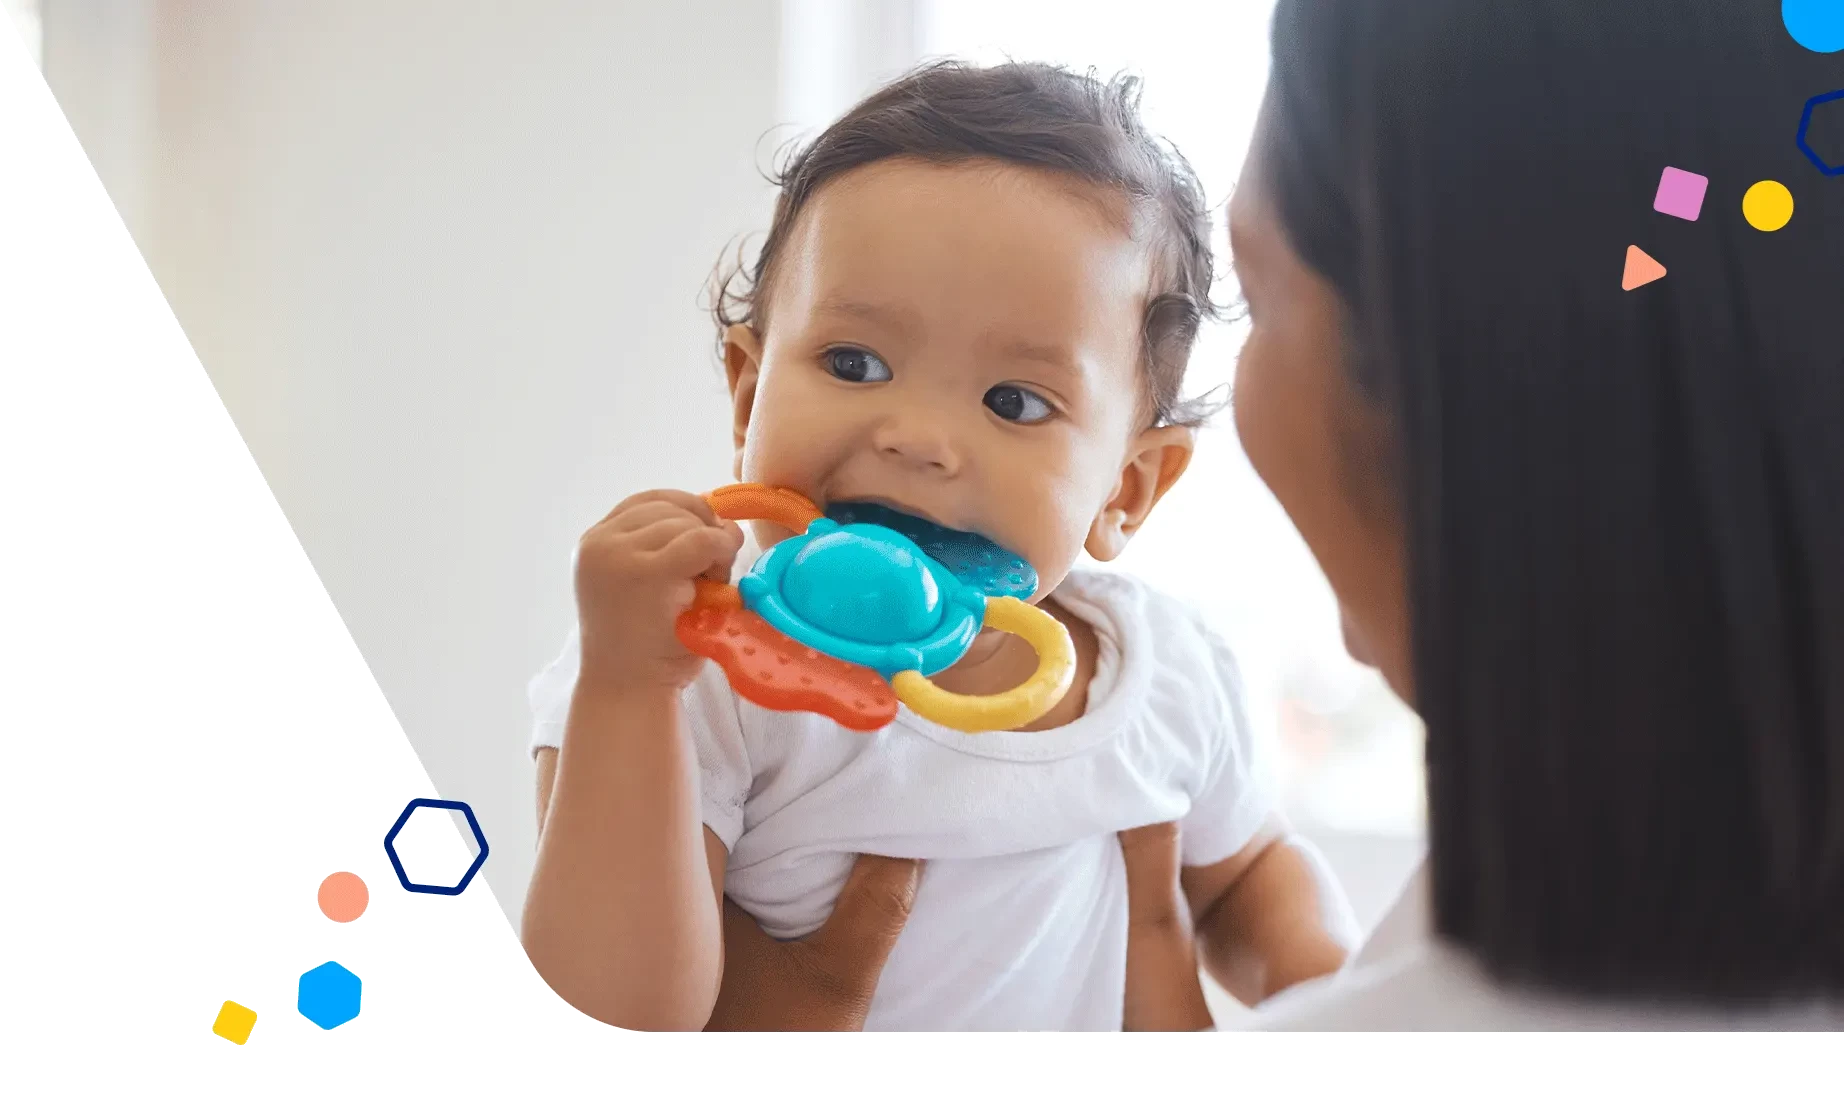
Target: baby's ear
[[742, 368], [1155, 460]]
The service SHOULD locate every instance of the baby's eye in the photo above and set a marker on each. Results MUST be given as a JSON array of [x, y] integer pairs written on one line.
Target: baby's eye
[[1015, 403], [856, 365]]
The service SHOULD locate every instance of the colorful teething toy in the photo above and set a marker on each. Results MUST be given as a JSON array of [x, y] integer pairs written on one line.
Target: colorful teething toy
[[857, 609]]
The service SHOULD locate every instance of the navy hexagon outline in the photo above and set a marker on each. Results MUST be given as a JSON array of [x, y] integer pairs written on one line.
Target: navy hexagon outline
[[480, 839], [1805, 122]]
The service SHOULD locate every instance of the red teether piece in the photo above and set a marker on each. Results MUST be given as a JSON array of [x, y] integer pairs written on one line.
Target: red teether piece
[[773, 670]]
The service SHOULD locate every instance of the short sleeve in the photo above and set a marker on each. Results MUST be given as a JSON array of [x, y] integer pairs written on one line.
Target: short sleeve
[[708, 713], [1236, 794], [549, 693], [716, 731]]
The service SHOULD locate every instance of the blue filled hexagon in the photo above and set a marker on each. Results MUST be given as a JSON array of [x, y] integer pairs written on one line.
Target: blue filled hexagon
[[329, 995]]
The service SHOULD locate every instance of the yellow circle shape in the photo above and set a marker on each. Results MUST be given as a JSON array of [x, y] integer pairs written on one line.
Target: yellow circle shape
[[1767, 206], [1008, 710]]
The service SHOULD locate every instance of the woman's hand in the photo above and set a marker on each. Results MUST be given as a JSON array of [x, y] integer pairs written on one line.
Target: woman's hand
[[1163, 989], [823, 982]]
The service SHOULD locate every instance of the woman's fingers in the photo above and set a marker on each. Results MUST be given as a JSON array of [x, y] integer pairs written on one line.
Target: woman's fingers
[[1154, 897], [866, 921], [1163, 989], [760, 990]]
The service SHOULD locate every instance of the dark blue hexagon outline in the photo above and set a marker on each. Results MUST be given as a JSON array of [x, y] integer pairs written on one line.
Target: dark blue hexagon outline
[[1805, 121], [480, 839]]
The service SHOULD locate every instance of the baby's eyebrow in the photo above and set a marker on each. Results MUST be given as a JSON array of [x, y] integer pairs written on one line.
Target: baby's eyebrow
[[889, 316], [1052, 355]]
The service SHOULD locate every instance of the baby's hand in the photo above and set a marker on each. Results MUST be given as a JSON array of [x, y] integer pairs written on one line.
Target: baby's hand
[[634, 573]]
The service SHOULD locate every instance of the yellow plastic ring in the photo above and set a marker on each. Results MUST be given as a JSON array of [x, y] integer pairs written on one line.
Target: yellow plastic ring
[[1008, 710]]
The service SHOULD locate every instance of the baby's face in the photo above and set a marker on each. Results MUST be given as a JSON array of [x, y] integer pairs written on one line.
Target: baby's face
[[959, 342]]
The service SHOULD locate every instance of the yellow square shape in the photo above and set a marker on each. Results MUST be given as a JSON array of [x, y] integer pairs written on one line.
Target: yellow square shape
[[234, 1022]]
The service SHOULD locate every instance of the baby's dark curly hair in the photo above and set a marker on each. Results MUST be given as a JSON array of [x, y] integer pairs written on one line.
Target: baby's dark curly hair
[[1027, 114]]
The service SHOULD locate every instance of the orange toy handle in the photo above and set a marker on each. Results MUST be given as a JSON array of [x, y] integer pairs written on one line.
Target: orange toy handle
[[758, 502], [789, 509]]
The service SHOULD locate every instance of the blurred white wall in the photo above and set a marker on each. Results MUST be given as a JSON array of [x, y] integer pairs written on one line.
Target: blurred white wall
[[444, 262], [833, 52], [1348, 754]]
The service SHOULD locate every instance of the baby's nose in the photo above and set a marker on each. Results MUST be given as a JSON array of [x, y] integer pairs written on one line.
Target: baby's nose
[[918, 440]]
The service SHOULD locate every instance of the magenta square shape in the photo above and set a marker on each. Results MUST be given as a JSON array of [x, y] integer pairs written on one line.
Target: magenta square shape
[[1680, 193]]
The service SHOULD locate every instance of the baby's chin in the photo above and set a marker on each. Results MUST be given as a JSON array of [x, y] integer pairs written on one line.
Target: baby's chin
[[766, 535]]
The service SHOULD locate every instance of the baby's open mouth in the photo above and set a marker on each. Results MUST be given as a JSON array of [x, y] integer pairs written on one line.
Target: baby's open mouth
[[861, 509], [972, 558]]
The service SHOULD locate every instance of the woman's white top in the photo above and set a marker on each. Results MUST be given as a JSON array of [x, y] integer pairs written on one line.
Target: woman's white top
[[1404, 979]]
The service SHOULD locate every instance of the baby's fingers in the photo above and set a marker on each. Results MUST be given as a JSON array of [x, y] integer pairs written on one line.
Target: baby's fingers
[[720, 569], [651, 505], [697, 551], [651, 538]]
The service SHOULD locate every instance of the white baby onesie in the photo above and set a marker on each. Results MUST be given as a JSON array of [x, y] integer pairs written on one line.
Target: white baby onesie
[[1020, 920]]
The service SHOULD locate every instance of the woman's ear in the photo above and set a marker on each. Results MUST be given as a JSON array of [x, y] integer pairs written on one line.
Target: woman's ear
[[742, 368], [1155, 460]]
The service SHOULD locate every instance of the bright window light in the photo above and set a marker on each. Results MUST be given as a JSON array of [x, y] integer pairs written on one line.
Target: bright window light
[[1349, 753]]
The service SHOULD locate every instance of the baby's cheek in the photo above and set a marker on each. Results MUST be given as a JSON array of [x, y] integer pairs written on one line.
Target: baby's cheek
[[776, 453], [1058, 527]]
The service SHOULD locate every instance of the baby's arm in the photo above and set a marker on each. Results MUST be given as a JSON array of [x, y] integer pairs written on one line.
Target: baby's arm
[[624, 914], [1267, 918], [623, 918]]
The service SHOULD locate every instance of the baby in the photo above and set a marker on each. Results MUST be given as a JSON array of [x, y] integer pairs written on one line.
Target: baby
[[974, 305]]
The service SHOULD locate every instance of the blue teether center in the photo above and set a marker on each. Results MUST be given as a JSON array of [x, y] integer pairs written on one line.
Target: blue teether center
[[865, 594], [865, 583]]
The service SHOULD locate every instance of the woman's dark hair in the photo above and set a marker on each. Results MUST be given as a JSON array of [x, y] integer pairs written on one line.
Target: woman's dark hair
[[1623, 511], [1025, 114]]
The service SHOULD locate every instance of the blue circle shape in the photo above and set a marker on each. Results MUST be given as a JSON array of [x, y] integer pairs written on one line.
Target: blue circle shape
[[473, 824], [328, 995], [865, 583], [1817, 25]]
